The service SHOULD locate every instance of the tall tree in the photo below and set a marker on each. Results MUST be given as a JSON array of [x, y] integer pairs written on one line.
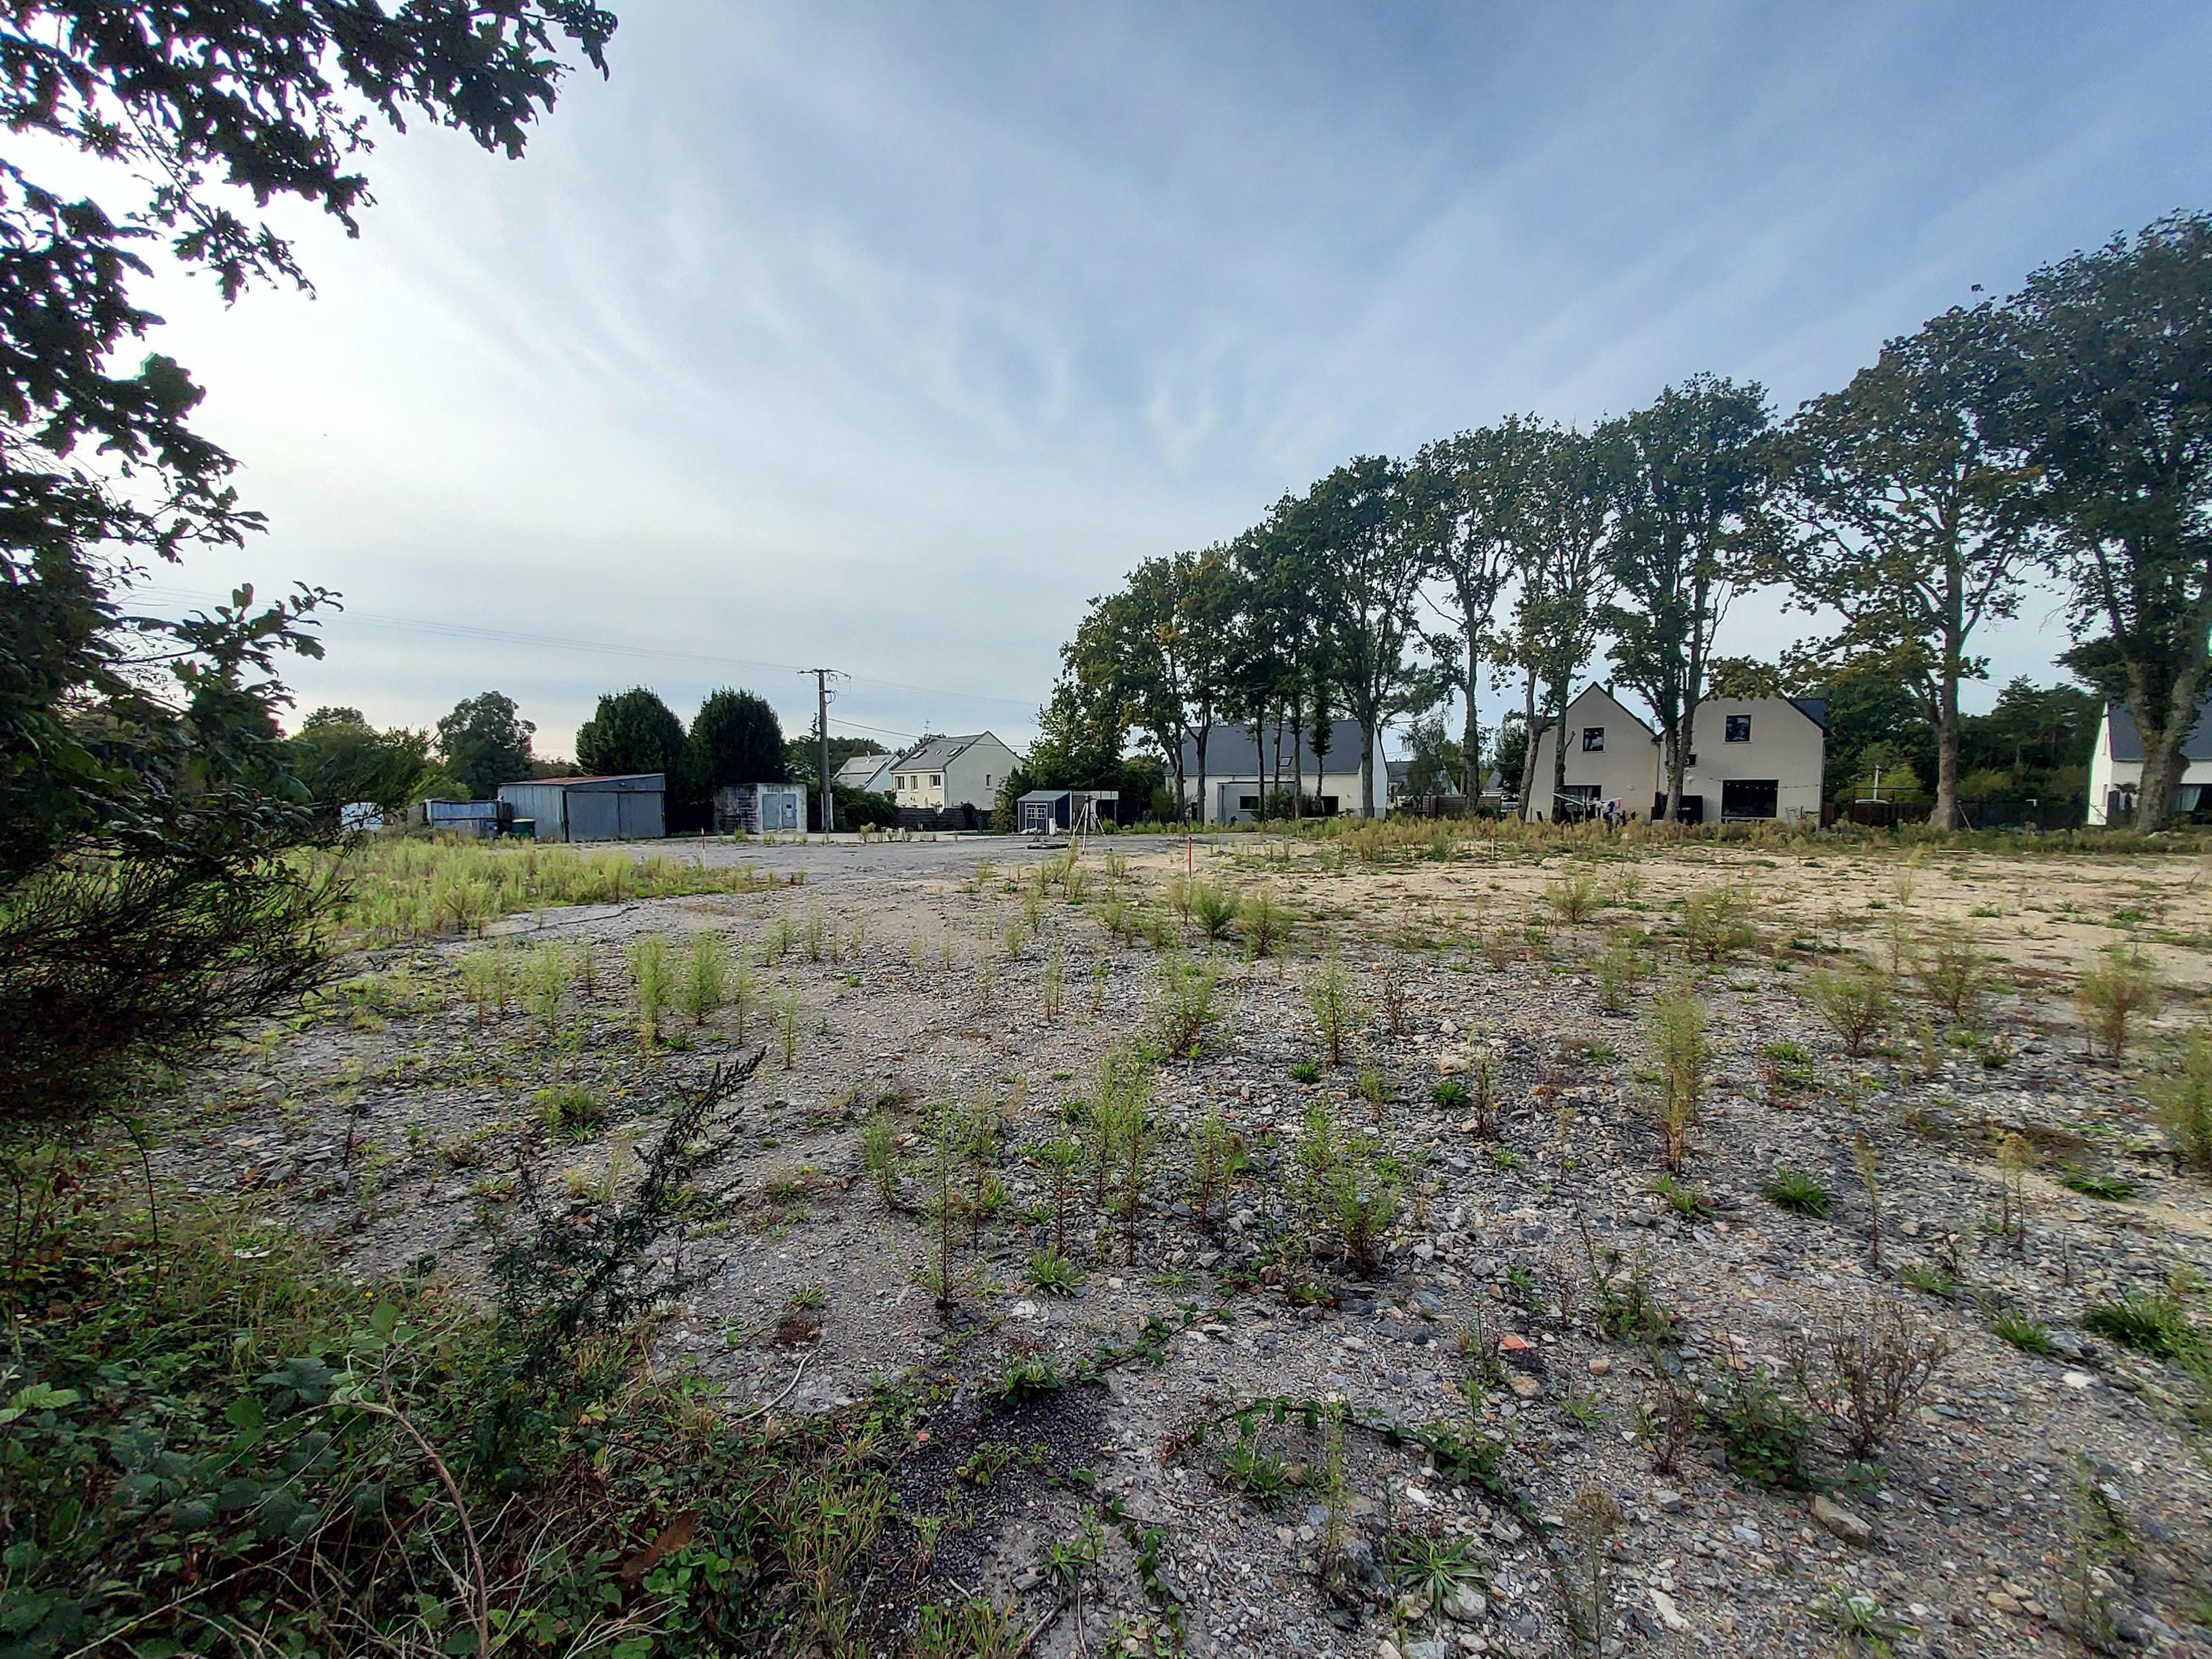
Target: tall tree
[[735, 737], [1369, 567], [1560, 532], [1470, 496], [1692, 473], [145, 896], [2113, 401], [633, 731], [344, 760], [1914, 515], [485, 741]]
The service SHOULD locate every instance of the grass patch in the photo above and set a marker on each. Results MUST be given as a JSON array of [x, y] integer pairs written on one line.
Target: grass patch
[[1798, 1192]]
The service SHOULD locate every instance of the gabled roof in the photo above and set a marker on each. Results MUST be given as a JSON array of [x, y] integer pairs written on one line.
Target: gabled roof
[[2127, 739], [1814, 710], [934, 754], [1544, 721], [1230, 752]]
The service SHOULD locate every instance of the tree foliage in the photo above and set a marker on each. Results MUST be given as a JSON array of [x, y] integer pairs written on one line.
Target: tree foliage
[[342, 759], [736, 738], [2111, 401], [485, 741], [633, 731]]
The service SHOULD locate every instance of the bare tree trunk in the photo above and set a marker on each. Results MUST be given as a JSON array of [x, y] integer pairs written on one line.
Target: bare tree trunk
[[1204, 731], [1946, 815], [1367, 739], [1529, 750], [1471, 734], [1559, 700]]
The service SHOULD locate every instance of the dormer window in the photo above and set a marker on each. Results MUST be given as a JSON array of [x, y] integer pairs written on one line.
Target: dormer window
[[1593, 739], [1739, 728]]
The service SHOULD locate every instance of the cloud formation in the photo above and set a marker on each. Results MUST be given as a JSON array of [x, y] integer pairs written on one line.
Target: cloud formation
[[884, 337]]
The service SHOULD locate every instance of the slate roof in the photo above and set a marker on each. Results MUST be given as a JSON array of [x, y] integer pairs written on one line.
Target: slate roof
[[1230, 752], [2127, 739]]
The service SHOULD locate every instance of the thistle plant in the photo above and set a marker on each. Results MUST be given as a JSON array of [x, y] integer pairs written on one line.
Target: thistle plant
[[706, 979], [651, 973]]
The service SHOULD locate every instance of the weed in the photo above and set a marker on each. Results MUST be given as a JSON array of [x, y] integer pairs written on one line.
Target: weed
[[1786, 1069], [2091, 1183], [650, 971], [705, 982], [2023, 1330], [2015, 1158], [1218, 1156], [1053, 1272], [1685, 1200], [1929, 1280], [1855, 1002], [1798, 1192], [976, 1629], [1304, 1070], [2182, 1097], [1450, 1095], [1211, 908], [1627, 1310], [2096, 1537], [1371, 1086], [1863, 1374], [1866, 1162], [1429, 1567], [1025, 1376], [742, 985], [1717, 922], [2152, 1322], [488, 981], [1762, 1431], [1676, 1029], [1574, 897], [788, 1008], [1053, 986], [1248, 1466], [1393, 1002], [879, 1155], [1953, 970], [1863, 1630], [1666, 1416], [943, 1207], [544, 987], [1621, 968], [569, 1110], [1184, 1007], [2122, 985], [1593, 1519], [1060, 1159], [1264, 923], [1336, 1011]]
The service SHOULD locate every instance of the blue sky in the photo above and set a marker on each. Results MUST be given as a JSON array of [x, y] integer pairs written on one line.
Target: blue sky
[[884, 337]]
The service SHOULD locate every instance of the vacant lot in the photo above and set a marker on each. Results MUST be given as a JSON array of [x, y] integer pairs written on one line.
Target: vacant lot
[[1286, 1255]]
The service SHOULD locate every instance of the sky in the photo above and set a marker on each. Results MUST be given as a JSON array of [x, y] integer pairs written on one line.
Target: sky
[[882, 337]]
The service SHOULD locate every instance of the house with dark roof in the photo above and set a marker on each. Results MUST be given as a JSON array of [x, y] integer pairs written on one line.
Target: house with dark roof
[[941, 773], [2115, 767], [1245, 762], [1750, 758]]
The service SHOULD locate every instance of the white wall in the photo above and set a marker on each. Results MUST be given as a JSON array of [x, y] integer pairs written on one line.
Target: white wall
[[1787, 745], [1625, 770], [974, 776]]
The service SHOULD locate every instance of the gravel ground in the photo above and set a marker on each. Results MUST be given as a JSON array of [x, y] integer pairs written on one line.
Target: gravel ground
[[392, 1125]]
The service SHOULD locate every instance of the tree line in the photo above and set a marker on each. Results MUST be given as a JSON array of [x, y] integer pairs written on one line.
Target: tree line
[[2063, 433]]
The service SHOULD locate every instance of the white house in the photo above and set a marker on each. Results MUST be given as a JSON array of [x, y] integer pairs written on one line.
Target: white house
[[942, 772], [2115, 767], [1240, 772], [1750, 758], [861, 771]]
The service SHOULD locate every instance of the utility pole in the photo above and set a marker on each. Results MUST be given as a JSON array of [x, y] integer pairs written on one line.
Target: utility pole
[[822, 730]]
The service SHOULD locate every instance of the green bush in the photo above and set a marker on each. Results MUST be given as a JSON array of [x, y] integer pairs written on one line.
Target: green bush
[[1762, 1431]]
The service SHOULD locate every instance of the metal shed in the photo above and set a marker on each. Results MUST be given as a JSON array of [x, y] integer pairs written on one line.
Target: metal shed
[[760, 809], [480, 818], [625, 808], [1043, 811]]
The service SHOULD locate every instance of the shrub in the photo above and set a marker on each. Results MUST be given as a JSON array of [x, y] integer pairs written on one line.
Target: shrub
[[704, 984], [1855, 1002], [1185, 1003], [1574, 897], [649, 970], [2120, 986], [1798, 1192], [1717, 922], [2183, 1098], [1762, 1431], [1676, 1027], [1863, 1374], [1335, 1010], [1212, 909], [1953, 970], [1263, 923]]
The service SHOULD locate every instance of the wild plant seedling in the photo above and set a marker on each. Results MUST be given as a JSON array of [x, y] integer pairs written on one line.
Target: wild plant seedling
[[1218, 1156], [1052, 986], [1676, 1028], [651, 973], [705, 982], [1863, 1159], [1335, 1010], [788, 1008]]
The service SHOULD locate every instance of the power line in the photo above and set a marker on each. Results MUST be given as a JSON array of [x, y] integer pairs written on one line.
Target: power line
[[513, 636]]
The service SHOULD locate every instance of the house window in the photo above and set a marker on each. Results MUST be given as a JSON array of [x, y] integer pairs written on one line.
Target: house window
[[1739, 728], [1593, 739], [937, 780]]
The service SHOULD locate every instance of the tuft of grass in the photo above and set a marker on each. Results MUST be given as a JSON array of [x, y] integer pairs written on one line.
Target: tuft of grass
[[1929, 1280], [2153, 1323], [2021, 1329], [2092, 1183], [1053, 1272], [1304, 1070], [1798, 1192]]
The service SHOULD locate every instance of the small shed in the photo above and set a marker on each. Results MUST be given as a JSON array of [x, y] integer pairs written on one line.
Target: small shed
[[628, 807], [482, 818], [1076, 810], [760, 809]]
